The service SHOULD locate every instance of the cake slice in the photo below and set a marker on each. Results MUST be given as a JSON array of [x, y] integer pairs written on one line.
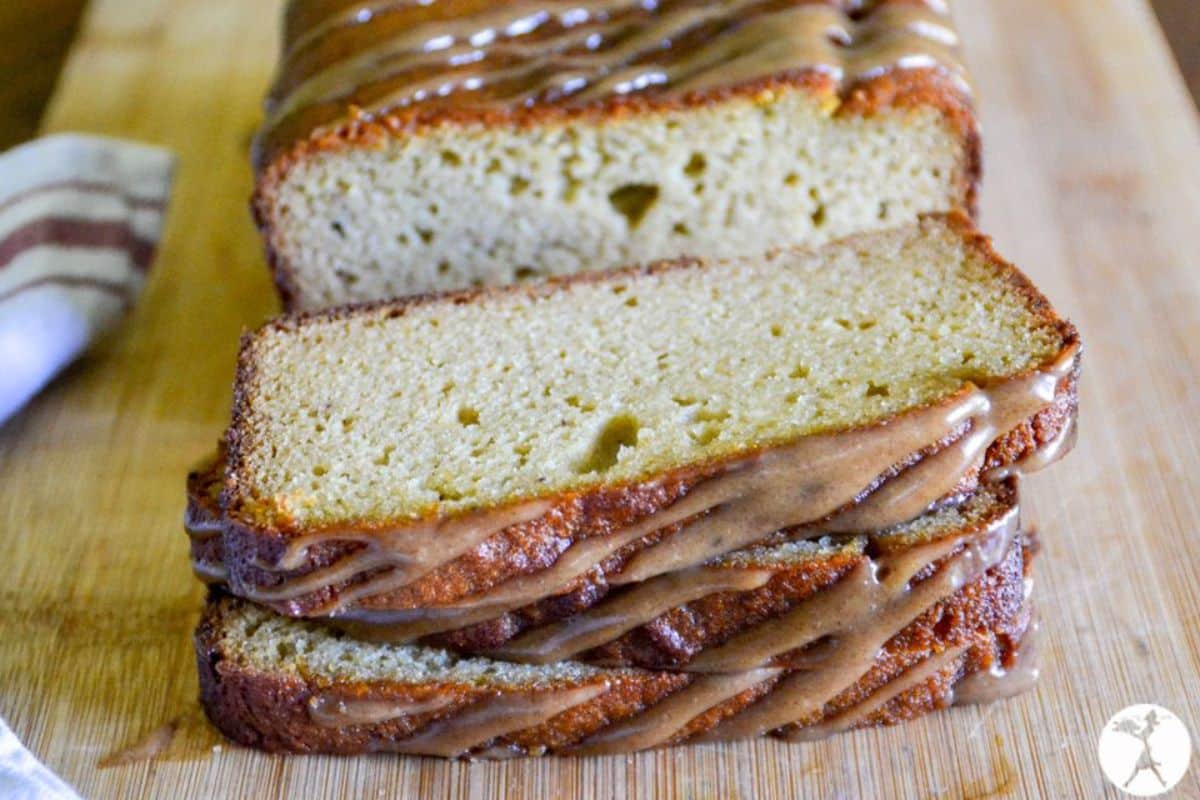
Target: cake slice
[[281, 684], [413, 147], [750, 608], [478, 452]]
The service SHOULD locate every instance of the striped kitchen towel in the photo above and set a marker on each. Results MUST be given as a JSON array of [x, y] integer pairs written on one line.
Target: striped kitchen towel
[[80, 219]]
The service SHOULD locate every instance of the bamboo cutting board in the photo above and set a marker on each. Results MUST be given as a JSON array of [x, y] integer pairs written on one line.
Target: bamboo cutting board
[[1093, 186]]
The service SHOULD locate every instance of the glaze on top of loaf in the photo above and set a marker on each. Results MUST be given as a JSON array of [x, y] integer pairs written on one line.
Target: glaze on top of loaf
[[404, 63]]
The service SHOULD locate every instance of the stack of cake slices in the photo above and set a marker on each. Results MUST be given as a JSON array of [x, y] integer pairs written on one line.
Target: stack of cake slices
[[701, 500]]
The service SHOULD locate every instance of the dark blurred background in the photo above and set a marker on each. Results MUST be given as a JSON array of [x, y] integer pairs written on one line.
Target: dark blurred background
[[35, 35], [1181, 22]]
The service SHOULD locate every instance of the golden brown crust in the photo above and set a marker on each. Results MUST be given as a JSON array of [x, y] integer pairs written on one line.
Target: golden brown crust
[[270, 711], [892, 90]]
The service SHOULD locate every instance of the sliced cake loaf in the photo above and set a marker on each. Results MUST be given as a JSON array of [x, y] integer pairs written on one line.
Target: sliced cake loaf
[[480, 452], [411, 147], [281, 684]]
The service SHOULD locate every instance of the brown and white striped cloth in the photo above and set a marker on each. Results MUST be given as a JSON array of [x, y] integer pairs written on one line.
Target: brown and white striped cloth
[[80, 219]]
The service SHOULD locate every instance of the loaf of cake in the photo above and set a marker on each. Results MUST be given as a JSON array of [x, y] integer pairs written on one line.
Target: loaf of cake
[[480, 452], [413, 147], [699, 500]]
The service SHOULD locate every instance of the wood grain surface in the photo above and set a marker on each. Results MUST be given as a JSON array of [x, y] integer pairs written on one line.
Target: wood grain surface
[[1093, 185]]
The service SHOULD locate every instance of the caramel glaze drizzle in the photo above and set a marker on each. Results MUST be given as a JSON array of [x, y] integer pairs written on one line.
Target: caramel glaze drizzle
[[411, 552], [202, 525], [657, 724], [612, 618], [881, 612], [1000, 682], [858, 714], [488, 718], [861, 593], [354, 60], [796, 485], [875, 595], [330, 711], [1062, 443], [811, 479], [859, 633], [207, 572]]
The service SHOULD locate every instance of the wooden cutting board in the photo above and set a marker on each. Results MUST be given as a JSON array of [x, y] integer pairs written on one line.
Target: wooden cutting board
[[1093, 186]]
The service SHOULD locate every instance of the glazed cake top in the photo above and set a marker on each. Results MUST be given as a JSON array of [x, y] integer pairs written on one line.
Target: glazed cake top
[[412, 62]]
